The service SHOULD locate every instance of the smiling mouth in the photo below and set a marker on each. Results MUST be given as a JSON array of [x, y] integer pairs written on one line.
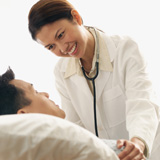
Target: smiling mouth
[[73, 51]]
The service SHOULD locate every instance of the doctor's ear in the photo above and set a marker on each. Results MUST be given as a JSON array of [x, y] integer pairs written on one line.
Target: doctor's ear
[[76, 16]]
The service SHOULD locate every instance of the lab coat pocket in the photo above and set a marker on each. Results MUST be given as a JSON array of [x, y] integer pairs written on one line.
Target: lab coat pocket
[[114, 106]]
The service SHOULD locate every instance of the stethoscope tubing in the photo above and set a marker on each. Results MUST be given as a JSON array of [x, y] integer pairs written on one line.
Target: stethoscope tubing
[[93, 82], [94, 94]]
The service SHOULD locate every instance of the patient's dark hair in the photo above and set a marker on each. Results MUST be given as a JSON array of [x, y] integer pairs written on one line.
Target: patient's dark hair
[[48, 11], [11, 98]]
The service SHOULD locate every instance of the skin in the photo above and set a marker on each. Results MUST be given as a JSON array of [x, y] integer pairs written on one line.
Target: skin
[[40, 100], [60, 38], [133, 149]]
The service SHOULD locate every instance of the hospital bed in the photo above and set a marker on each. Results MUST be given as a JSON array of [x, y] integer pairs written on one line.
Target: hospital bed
[[44, 137]]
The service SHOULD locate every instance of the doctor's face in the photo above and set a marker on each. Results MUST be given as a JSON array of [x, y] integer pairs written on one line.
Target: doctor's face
[[40, 102], [64, 38]]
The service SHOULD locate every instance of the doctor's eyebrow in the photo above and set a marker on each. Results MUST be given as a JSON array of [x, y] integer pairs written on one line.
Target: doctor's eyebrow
[[54, 37], [57, 32]]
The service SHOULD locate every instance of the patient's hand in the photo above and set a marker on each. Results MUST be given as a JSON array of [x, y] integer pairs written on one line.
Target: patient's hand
[[133, 149]]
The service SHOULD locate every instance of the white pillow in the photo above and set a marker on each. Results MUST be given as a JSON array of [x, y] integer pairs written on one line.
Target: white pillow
[[44, 137]]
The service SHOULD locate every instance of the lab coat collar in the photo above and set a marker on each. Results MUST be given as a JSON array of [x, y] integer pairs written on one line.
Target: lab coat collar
[[106, 56]]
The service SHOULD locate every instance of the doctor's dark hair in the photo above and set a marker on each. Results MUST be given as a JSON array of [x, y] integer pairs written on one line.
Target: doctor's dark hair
[[48, 11], [11, 98]]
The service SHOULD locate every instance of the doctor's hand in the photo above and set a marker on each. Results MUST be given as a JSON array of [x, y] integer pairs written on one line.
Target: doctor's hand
[[133, 149]]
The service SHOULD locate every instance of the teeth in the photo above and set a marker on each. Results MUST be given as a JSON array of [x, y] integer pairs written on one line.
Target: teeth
[[72, 50]]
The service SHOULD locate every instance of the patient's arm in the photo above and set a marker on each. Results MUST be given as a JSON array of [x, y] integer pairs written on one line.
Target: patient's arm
[[113, 145]]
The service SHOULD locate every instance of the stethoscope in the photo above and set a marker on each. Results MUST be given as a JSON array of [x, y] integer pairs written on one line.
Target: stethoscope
[[93, 82]]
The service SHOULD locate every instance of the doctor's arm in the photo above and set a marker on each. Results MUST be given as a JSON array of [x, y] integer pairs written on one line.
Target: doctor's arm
[[141, 106]]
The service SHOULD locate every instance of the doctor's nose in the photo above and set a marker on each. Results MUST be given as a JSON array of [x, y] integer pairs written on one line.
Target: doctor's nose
[[63, 48]]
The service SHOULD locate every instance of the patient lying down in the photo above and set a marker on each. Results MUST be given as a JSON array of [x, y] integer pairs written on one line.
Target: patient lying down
[[18, 97]]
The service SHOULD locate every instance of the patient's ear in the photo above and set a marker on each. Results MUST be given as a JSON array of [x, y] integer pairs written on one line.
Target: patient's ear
[[21, 111]]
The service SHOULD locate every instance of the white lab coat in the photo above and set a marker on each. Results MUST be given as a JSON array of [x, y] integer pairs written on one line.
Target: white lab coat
[[126, 105]]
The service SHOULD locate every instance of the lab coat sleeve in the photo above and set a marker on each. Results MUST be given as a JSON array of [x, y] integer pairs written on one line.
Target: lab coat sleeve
[[141, 107], [66, 103]]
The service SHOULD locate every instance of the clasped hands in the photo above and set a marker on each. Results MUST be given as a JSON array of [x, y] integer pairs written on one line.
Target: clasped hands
[[134, 149]]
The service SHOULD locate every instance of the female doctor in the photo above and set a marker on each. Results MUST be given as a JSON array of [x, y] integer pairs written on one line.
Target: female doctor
[[101, 80]]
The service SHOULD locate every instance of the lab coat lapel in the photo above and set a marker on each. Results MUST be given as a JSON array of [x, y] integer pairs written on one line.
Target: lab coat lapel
[[101, 81], [85, 108], [105, 61], [82, 86]]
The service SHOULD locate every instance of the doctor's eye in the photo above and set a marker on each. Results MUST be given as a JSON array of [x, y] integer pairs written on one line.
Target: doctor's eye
[[51, 47], [61, 35]]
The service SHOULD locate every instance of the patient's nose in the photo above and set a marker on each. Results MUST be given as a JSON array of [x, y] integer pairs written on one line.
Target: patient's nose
[[45, 94]]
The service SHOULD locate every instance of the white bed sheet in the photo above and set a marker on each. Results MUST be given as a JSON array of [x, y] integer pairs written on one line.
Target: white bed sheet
[[44, 137]]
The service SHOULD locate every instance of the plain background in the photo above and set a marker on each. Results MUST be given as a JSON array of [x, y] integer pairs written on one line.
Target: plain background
[[139, 19]]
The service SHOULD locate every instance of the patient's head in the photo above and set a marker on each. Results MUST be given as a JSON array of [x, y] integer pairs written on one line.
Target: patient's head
[[17, 96]]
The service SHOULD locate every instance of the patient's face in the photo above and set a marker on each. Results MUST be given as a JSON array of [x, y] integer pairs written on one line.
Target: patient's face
[[40, 100]]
